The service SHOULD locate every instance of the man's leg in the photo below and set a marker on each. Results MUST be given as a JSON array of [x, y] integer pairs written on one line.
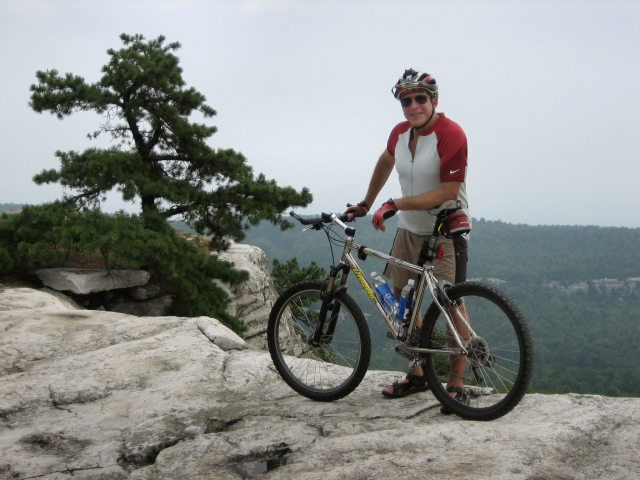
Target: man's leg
[[407, 246], [458, 363], [416, 371]]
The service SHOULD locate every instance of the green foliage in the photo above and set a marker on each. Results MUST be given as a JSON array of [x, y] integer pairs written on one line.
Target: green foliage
[[6, 264], [50, 235], [287, 274], [150, 456], [45, 236], [159, 156]]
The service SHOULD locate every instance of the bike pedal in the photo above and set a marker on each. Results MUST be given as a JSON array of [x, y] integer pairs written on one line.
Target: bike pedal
[[410, 356]]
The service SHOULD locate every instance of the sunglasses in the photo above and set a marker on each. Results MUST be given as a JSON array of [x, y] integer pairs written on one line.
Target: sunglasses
[[420, 99]]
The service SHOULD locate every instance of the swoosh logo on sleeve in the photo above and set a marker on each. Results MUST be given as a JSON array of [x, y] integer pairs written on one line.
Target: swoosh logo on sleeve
[[451, 172]]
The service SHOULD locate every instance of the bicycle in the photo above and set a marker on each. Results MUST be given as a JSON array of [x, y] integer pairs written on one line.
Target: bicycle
[[320, 344]]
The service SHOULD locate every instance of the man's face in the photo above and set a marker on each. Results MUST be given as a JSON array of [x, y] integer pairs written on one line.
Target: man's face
[[417, 113]]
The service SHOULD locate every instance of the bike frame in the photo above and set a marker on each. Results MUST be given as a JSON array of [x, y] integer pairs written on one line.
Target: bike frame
[[426, 280]]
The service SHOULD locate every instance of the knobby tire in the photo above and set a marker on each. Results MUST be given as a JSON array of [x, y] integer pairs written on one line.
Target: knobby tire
[[335, 368], [502, 355]]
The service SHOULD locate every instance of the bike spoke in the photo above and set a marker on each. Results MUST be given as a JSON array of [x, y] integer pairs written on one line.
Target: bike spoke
[[494, 374], [337, 364]]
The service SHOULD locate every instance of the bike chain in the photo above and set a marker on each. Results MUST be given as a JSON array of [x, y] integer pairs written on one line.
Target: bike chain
[[414, 338]]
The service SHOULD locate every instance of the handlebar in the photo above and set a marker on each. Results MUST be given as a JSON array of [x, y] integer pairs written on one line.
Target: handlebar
[[325, 218], [317, 222], [441, 212]]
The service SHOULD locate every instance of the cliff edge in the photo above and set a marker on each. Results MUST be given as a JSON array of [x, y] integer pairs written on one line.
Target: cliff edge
[[103, 395]]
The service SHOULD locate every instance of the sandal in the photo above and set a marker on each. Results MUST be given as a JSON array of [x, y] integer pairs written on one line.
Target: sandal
[[462, 398], [416, 384]]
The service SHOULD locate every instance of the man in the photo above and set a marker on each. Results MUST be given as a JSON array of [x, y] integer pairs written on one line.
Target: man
[[429, 152]]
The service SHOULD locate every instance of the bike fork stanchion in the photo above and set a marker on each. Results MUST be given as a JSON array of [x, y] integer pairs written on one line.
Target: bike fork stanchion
[[327, 297]]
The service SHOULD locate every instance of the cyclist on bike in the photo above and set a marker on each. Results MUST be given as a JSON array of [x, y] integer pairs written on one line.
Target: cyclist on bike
[[429, 152]]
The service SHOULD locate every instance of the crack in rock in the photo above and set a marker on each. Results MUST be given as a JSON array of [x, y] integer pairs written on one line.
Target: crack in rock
[[272, 457], [80, 395]]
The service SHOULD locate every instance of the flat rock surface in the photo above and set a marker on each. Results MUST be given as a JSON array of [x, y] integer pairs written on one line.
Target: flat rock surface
[[84, 281], [102, 395]]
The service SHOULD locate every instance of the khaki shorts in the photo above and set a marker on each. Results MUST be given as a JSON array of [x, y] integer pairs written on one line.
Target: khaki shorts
[[407, 245]]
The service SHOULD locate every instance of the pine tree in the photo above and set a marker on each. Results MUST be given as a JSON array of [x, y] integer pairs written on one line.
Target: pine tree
[[288, 274], [159, 157]]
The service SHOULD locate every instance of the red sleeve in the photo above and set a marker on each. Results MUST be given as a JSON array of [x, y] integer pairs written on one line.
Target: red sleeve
[[452, 148], [395, 133]]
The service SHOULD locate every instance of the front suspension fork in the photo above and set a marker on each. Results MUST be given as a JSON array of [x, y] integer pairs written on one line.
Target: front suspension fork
[[328, 304]]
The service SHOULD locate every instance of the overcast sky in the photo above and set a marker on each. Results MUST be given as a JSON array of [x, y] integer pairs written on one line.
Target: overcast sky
[[547, 92]]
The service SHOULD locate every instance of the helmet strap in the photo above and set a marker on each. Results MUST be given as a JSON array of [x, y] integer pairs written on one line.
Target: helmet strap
[[433, 110]]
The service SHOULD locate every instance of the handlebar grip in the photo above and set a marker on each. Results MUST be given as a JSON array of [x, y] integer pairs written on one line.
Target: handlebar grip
[[298, 217], [326, 218], [307, 221]]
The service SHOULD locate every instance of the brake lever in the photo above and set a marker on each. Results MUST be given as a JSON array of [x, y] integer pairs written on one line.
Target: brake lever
[[317, 226]]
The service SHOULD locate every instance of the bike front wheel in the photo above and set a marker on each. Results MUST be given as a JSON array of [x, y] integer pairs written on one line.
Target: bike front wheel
[[497, 369], [336, 367]]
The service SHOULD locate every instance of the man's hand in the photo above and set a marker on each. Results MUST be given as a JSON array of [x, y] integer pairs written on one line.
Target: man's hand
[[387, 210], [359, 210]]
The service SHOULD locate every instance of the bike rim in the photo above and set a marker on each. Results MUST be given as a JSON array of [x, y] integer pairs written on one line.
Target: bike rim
[[491, 373], [322, 369]]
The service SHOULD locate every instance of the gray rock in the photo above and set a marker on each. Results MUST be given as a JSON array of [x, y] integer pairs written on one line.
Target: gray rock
[[29, 299], [85, 281], [144, 292], [156, 307], [252, 300], [103, 395], [220, 335], [64, 299]]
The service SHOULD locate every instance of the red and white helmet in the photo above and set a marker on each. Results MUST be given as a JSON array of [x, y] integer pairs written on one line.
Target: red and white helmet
[[412, 80]]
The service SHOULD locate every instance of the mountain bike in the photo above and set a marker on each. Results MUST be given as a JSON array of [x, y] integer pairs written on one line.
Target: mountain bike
[[320, 344]]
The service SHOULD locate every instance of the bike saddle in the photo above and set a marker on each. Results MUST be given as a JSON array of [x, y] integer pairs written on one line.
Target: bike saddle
[[447, 207]]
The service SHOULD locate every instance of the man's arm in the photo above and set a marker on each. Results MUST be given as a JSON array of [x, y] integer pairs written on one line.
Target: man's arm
[[427, 200], [381, 173]]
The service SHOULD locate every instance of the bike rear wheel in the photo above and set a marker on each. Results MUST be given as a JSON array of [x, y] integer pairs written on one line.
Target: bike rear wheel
[[336, 367], [499, 365]]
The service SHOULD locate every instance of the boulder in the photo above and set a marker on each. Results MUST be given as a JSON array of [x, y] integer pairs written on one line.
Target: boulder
[[64, 299], [252, 300], [156, 307], [30, 299], [103, 395], [144, 292], [85, 281]]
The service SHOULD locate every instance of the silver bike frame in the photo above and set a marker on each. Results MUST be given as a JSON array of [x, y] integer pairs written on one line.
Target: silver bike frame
[[426, 280]]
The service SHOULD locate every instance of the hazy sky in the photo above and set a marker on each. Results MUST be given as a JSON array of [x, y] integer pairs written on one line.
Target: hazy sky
[[547, 92]]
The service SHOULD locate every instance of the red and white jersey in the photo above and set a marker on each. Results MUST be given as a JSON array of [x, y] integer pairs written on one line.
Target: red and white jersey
[[441, 156]]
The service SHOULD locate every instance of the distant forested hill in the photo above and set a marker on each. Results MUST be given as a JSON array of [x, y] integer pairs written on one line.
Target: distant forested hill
[[5, 207], [580, 339], [515, 253], [520, 253]]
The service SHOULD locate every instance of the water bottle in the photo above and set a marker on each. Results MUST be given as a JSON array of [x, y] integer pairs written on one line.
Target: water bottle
[[384, 294], [404, 306]]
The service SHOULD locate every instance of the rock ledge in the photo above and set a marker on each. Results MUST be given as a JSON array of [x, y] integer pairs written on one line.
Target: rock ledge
[[103, 395]]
